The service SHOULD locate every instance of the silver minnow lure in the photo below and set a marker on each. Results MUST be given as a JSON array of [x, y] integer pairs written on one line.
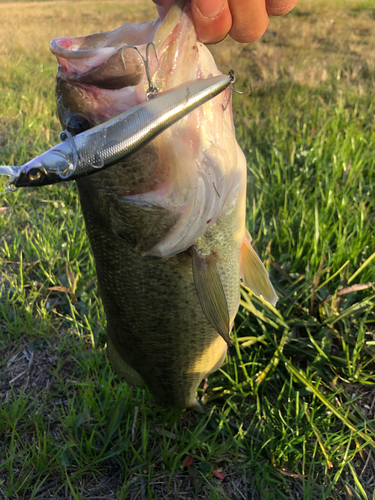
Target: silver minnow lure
[[116, 139]]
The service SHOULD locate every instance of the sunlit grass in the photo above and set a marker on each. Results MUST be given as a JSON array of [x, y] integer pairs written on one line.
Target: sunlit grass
[[292, 410]]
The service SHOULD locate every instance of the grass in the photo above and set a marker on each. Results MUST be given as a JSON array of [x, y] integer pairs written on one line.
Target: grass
[[292, 410]]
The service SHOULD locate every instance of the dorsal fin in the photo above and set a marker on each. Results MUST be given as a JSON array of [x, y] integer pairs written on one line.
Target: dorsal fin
[[210, 292], [253, 272]]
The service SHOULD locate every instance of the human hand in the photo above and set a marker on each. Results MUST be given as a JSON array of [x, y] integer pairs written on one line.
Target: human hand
[[244, 20]]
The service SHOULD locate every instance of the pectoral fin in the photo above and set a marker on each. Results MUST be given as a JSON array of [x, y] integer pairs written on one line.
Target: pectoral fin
[[253, 272], [210, 293]]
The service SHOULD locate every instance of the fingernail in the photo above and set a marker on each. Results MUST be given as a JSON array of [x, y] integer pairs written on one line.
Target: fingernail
[[210, 8]]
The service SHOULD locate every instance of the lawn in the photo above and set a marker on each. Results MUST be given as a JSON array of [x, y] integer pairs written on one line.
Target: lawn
[[292, 410]]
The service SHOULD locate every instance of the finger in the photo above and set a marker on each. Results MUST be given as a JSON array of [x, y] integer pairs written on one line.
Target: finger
[[249, 19], [212, 19], [280, 7]]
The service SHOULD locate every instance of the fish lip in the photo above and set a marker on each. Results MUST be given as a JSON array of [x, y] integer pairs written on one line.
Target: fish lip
[[59, 50]]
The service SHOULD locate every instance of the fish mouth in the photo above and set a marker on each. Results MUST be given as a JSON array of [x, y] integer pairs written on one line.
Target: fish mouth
[[110, 68], [104, 74], [117, 59], [110, 60]]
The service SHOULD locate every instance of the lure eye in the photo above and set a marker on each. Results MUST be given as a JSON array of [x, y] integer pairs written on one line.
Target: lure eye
[[35, 175], [77, 123]]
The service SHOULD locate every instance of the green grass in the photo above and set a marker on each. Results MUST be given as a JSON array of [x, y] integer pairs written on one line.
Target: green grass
[[292, 410]]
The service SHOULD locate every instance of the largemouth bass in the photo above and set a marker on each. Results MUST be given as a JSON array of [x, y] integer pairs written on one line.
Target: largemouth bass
[[166, 226]]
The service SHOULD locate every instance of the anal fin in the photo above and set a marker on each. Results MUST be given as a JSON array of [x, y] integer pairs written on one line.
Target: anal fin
[[211, 293], [253, 272]]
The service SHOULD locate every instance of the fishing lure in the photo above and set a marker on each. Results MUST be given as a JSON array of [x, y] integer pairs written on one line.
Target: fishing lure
[[101, 146]]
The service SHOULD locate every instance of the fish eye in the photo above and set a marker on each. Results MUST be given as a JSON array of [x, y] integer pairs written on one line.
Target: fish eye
[[77, 123], [35, 175]]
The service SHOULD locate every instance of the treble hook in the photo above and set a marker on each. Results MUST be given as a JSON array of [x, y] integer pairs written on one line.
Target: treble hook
[[232, 89], [151, 91], [233, 79]]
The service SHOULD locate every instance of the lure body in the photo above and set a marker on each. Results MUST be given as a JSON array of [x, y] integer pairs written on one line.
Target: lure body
[[116, 139]]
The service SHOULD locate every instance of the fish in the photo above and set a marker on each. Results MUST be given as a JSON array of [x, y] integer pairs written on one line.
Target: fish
[[167, 226], [85, 150]]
